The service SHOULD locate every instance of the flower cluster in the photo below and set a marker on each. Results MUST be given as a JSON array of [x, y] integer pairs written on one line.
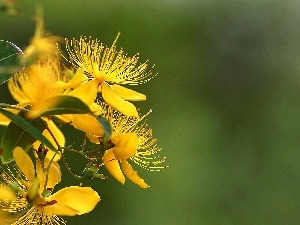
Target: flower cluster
[[81, 90]]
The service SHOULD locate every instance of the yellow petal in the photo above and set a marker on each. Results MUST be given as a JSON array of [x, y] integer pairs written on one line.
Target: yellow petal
[[6, 194], [79, 199], [24, 163], [41, 175], [125, 145], [93, 138], [32, 191], [65, 118], [128, 94], [112, 165], [4, 121], [59, 209], [38, 108], [54, 175], [116, 102], [9, 217], [59, 136], [87, 123], [78, 77], [76, 80], [132, 175], [86, 92]]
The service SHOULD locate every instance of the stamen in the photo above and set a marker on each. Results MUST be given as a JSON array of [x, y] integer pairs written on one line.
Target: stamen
[[107, 64]]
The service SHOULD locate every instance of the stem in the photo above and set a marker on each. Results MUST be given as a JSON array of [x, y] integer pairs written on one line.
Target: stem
[[69, 169], [4, 105], [58, 151], [52, 135], [81, 152]]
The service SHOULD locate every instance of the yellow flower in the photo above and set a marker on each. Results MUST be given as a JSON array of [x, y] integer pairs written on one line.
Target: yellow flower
[[42, 45], [85, 122], [131, 142], [36, 186], [33, 87], [37, 83], [6, 194], [13, 199], [7, 217], [109, 68]]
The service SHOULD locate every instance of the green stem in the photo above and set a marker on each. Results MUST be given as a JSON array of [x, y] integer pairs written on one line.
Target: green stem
[[69, 169], [4, 105], [58, 151]]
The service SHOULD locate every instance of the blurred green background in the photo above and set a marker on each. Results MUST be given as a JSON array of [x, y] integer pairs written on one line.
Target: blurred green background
[[226, 105]]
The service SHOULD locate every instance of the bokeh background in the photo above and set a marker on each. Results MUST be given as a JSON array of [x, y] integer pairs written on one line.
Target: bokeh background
[[226, 107]]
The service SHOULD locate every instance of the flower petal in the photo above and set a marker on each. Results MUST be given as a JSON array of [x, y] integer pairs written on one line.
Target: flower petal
[[59, 136], [112, 165], [86, 92], [87, 123], [6, 194], [128, 94], [9, 217], [116, 102], [24, 163], [54, 176], [76, 80], [132, 175], [59, 209], [33, 191], [78, 77], [38, 108], [93, 138], [4, 121], [125, 145], [65, 118], [80, 200]]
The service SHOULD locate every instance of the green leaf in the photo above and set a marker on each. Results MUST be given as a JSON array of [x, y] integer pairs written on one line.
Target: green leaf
[[14, 136], [10, 60], [58, 105], [105, 125], [21, 132]]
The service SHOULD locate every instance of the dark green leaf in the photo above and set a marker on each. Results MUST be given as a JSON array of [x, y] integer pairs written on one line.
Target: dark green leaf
[[10, 60], [63, 104], [21, 132], [15, 136]]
